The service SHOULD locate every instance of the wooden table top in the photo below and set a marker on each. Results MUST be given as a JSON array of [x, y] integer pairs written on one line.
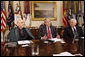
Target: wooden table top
[[45, 49]]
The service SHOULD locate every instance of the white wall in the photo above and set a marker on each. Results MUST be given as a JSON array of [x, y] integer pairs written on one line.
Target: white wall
[[58, 22]]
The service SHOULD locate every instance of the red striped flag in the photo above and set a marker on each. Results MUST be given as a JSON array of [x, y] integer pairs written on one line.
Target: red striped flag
[[3, 17], [64, 17]]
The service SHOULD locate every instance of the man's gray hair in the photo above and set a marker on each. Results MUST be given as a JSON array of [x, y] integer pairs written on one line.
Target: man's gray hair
[[73, 20], [46, 19]]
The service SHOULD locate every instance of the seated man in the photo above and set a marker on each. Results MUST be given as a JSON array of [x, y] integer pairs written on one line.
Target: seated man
[[47, 31], [72, 31], [20, 32]]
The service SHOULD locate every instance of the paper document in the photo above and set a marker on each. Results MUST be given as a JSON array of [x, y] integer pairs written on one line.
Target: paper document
[[24, 42], [11, 44], [57, 40], [64, 54], [78, 54], [25, 45], [82, 37]]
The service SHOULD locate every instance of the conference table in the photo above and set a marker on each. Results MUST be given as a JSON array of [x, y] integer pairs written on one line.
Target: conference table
[[37, 48]]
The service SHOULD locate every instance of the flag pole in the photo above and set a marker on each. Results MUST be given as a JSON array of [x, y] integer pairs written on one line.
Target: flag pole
[[2, 36], [5, 9], [20, 10], [30, 13], [13, 12], [29, 2], [75, 6], [6, 20]]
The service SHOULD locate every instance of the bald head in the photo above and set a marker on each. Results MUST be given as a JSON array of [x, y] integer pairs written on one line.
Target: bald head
[[73, 22], [47, 22]]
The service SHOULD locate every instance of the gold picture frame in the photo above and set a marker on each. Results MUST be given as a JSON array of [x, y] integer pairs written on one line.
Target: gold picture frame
[[43, 9]]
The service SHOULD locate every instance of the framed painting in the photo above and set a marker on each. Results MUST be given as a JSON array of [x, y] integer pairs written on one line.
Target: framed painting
[[43, 9]]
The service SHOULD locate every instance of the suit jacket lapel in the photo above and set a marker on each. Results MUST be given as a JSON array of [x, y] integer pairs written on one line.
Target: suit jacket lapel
[[77, 28], [71, 31], [51, 30], [45, 28], [17, 33]]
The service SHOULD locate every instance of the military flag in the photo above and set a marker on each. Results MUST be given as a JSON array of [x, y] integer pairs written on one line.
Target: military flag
[[26, 16], [10, 18]]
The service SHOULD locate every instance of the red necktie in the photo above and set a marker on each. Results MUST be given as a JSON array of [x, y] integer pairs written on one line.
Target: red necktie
[[49, 34]]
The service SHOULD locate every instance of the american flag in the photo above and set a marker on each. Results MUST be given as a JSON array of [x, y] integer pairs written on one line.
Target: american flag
[[65, 21], [3, 17]]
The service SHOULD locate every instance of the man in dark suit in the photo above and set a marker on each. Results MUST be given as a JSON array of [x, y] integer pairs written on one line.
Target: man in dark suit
[[20, 33], [72, 31], [47, 31]]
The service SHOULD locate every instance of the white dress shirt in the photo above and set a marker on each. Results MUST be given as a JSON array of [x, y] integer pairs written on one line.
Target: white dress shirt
[[73, 29], [47, 31]]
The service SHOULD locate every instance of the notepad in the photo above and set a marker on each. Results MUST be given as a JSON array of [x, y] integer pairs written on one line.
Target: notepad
[[45, 41]]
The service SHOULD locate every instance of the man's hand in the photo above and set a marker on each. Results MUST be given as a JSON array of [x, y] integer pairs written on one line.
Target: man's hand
[[44, 37], [58, 36]]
